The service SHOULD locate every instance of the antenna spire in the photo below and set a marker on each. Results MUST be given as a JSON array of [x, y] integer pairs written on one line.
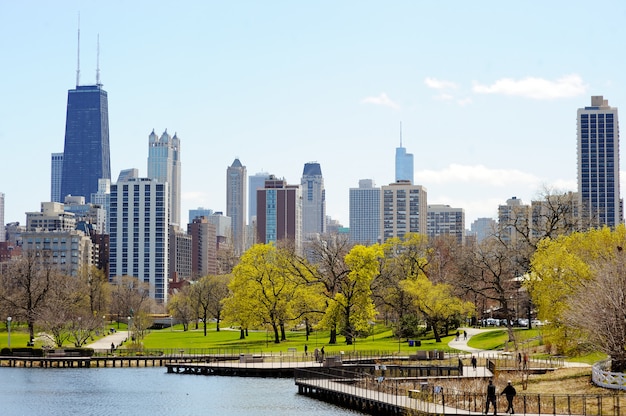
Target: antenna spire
[[98, 63], [78, 55], [400, 134]]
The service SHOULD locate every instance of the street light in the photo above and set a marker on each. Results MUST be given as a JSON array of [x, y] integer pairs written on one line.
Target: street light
[[129, 328], [9, 329]]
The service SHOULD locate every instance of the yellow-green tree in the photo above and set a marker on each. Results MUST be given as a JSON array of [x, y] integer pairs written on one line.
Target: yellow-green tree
[[207, 294], [436, 302], [352, 307], [264, 291], [576, 283]]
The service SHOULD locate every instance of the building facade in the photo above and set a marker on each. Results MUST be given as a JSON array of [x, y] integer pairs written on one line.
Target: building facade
[[203, 247], [313, 200], [512, 216], [255, 182], [164, 165], [483, 228], [56, 174], [444, 220], [404, 210], [86, 156], [139, 233], [236, 182], [279, 213], [404, 164], [365, 213], [599, 197]]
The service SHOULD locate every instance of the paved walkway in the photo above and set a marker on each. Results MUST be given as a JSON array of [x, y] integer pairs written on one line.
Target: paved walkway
[[117, 338]]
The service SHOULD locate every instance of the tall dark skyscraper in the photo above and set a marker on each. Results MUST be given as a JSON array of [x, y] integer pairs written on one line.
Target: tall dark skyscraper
[[86, 155]]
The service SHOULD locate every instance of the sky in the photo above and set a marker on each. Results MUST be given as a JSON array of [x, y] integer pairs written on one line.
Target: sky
[[486, 92]]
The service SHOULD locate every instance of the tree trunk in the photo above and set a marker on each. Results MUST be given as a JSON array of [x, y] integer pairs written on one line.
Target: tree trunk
[[242, 334], [436, 332], [283, 335], [276, 334], [333, 336]]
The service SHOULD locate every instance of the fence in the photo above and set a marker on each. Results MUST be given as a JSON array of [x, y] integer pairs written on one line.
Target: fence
[[602, 377], [422, 397]]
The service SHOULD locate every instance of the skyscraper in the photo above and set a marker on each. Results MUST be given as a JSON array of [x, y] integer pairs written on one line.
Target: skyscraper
[[255, 182], [279, 213], [139, 233], [56, 174], [404, 210], [365, 213], [444, 220], [313, 200], [86, 154], [164, 166], [404, 163], [236, 179], [598, 164]]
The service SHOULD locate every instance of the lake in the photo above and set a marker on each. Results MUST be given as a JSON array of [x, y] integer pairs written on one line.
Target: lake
[[150, 391]]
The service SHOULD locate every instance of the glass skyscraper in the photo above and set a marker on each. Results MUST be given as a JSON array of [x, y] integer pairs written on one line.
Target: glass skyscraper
[[598, 164], [86, 155], [404, 164], [313, 200]]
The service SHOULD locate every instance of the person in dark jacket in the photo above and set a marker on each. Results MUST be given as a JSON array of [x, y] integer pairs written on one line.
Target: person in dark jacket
[[491, 397], [509, 392]]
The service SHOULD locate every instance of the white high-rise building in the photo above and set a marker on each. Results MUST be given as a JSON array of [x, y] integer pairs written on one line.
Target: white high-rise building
[[164, 165], [56, 175], [445, 220], [404, 210], [138, 226], [599, 197], [313, 200], [365, 213]]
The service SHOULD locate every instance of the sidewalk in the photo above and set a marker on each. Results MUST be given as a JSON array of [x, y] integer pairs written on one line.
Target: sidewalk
[[116, 338]]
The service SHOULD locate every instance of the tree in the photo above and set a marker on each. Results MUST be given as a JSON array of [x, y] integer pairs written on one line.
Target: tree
[[130, 297], [180, 306], [24, 287], [352, 307], [208, 293], [436, 302]]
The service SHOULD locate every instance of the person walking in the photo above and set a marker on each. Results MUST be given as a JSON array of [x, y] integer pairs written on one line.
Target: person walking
[[474, 362], [509, 392], [306, 350], [491, 397]]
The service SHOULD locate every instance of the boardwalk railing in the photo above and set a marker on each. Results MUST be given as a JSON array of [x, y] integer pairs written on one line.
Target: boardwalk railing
[[603, 377], [421, 397]]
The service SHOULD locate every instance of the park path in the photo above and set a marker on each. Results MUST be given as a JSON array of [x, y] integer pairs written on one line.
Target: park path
[[117, 338]]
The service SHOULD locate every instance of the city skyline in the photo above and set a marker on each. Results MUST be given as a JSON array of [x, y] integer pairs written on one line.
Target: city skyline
[[487, 96]]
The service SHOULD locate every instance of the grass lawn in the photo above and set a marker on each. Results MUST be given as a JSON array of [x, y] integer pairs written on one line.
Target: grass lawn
[[496, 339]]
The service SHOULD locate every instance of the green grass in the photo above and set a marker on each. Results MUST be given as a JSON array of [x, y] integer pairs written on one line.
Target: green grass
[[497, 339]]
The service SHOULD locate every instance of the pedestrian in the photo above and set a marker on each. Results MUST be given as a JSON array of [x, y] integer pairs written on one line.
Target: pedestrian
[[509, 392], [491, 397], [474, 362], [306, 348], [112, 348], [316, 354], [525, 361], [465, 335], [322, 351], [519, 360], [457, 335]]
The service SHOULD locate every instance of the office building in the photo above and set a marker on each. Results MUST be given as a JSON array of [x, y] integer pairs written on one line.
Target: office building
[[599, 196], [56, 174], [513, 216], [279, 213], [404, 163], [313, 200], [203, 247], [51, 217], [164, 165], [180, 247], [236, 182], [255, 182], [86, 153], [484, 228], [404, 210], [444, 220], [365, 213], [138, 227], [198, 212]]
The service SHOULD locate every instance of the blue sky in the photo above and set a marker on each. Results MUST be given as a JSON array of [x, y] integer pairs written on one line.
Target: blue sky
[[486, 92]]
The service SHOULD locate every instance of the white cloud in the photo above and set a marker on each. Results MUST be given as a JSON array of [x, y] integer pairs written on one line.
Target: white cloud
[[439, 84], [536, 88], [383, 100]]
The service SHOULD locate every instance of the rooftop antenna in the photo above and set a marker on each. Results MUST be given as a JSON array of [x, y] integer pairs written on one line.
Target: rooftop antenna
[[78, 55], [98, 63]]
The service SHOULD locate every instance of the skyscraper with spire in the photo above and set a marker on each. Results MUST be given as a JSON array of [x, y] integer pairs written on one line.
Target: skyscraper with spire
[[86, 156], [236, 181], [404, 163], [164, 166], [313, 200]]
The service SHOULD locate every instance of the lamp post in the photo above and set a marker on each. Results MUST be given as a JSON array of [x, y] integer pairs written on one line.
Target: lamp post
[[129, 328], [9, 329]]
